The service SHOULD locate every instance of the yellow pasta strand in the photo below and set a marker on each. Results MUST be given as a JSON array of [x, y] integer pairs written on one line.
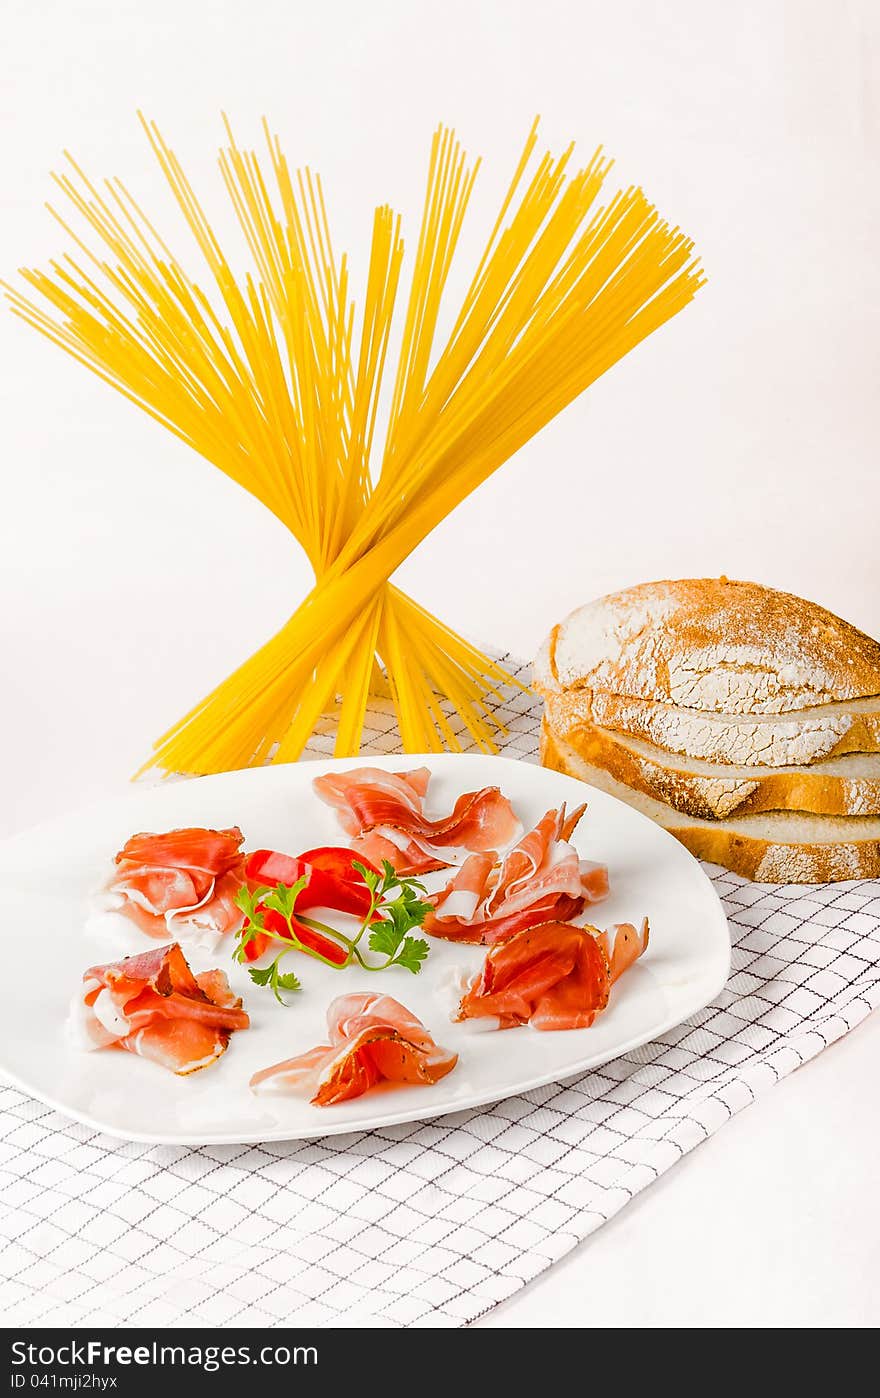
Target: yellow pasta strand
[[276, 378]]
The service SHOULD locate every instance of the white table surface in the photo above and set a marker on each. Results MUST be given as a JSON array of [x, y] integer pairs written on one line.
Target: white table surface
[[729, 435]]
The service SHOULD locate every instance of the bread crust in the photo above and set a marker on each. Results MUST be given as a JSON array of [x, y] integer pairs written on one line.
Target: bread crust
[[759, 740], [711, 644], [712, 792], [734, 844]]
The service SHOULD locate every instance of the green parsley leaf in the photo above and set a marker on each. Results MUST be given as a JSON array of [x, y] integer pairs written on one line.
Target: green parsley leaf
[[245, 936], [244, 899], [369, 877], [412, 888], [261, 975], [412, 954], [385, 938], [249, 903], [279, 982], [272, 977], [282, 898], [287, 982]]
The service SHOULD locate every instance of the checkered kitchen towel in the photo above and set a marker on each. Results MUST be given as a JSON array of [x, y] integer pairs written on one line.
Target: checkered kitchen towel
[[428, 1223]]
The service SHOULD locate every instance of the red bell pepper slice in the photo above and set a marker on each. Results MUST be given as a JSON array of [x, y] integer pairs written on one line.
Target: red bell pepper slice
[[333, 882], [254, 949], [324, 946]]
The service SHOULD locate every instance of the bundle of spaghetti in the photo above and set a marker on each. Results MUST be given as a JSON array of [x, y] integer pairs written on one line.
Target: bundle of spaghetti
[[276, 380]]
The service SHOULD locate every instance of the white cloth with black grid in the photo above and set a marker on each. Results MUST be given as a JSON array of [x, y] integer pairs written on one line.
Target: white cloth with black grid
[[432, 1223]]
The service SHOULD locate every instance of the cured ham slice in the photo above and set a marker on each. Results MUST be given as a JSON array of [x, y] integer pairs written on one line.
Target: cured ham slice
[[372, 1039], [594, 881], [367, 796], [386, 809], [553, 977], [541, 880], [181, 883], [407, 857], [543, 862], [623, 945], [153, 1005]]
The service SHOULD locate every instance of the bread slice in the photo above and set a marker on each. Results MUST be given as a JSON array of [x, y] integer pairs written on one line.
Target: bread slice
[[713, 645], [757, 740], [838, 786], [780, 847]]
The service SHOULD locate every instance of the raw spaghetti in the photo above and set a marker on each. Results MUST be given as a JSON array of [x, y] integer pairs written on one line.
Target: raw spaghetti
[[276, 379]]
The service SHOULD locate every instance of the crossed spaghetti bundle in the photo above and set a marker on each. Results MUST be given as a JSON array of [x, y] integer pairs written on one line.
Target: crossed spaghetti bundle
[[276, 378]]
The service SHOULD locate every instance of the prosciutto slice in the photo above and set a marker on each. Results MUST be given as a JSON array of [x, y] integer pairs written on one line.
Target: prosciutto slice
[[181, 883], [406, 856], [553, 977], [542, 879], [384, 811], [372, 1039], [622, 945], [153, 1005]]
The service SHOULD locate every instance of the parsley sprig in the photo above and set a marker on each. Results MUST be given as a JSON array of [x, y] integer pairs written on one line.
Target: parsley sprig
[[398, 917], [396, 910]]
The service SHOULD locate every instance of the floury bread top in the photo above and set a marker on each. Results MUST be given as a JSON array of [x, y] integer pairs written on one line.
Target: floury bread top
[[711, 644]]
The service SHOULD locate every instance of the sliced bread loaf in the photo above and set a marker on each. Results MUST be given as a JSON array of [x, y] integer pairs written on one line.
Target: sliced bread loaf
[[758, 740], [836, 786], [714, 645], [783, 847]]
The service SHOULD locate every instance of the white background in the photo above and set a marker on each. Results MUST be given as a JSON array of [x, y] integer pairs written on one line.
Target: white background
[[739, 439]]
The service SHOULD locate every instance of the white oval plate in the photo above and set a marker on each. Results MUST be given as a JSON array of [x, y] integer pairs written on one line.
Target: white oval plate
[[48, 873]]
